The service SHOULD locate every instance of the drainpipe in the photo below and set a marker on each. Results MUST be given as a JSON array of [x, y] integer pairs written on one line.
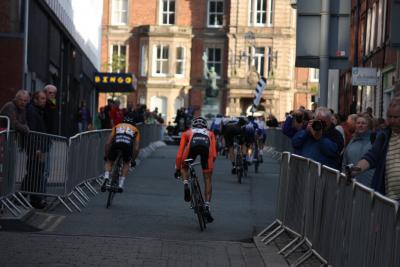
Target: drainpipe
[[26, 30]]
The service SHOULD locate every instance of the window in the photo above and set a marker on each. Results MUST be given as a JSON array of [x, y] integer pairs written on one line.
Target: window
[[260, 12], [380, 17], [119, 15], [168, 12], [160, 54], [215, 15], [143, 60], [215, 60], [117, 60], [180, 61], [372, 29], [257, 59], [368, 33], [314, 75]]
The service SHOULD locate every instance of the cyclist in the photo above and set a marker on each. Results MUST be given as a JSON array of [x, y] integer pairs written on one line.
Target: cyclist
[[216, 127], [250, 137], [231, 129], [262, 135], [124, 137], [195, 141]]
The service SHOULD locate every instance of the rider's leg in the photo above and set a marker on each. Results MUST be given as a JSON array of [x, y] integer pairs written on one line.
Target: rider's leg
[[107, 168], [207, 186], [124, 173]]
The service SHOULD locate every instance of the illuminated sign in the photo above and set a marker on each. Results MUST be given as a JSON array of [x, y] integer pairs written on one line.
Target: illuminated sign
[[114, 82]]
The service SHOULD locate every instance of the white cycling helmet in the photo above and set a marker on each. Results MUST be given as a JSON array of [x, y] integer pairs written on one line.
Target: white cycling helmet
[[199, 122]]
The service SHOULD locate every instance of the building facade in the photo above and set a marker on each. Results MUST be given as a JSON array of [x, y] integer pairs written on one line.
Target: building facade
[[39, 45], [370, 48], [164, 43]]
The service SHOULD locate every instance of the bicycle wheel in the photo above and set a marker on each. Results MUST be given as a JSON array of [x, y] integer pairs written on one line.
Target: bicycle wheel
[[256, 160], [198, 207], [114, 180]]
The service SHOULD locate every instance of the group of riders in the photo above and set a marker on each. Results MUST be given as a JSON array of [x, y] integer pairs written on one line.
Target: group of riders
[[198, 140]]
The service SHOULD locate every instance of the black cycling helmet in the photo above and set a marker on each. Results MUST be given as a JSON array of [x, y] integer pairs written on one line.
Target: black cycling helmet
[[199, 122], [129, 119]]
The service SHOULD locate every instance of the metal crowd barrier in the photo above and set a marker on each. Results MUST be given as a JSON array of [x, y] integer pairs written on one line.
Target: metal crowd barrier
[[42, 165], [277, 140], [342, 222]]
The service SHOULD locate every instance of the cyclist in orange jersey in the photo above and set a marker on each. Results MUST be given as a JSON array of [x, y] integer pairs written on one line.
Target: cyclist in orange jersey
[[198, 140]]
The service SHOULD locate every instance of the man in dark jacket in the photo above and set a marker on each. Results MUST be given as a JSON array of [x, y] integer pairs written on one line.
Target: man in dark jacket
[[384, 156], [51, 110], [16, 111], [36, 147], [320, 141]]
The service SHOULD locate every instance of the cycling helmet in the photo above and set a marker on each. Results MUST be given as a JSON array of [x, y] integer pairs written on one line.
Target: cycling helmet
[[128, 119], [199, 122]]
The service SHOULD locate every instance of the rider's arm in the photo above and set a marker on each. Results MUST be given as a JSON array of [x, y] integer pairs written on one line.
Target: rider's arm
[[179, 155]]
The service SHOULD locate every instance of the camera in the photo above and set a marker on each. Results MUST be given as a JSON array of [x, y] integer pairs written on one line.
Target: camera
[[318, 125]]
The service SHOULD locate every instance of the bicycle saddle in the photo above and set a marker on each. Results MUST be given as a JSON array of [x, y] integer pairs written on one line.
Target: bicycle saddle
[[189, 161]]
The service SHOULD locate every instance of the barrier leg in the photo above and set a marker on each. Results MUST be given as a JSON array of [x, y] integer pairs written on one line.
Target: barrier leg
[[12, 205], [78, 198], [20, 202], [82, 193], [294, 248], [9, 208], [302, 259], [21, 196], [269, 227], [281, 231], [288, 245], [91, 188], [272, 232], [65, 204]]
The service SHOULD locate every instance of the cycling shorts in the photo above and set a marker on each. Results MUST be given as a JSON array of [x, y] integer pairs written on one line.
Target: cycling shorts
[[207, 162], [125, 148], [230, 132]]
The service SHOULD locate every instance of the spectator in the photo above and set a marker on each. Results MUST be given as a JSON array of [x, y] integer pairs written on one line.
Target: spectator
[[105, 114], [358, 146], [320, 140], [272, 121], [170, 129], [116, 114], [51, 111], [347, 128], [370, 112], [384, 156], [16, 111], [314, 107], [36, 147], [180, 120], [296, 121], [84, 117]]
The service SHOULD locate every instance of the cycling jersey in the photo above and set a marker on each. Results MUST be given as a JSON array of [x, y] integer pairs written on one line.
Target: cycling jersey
[[231, 130], [124, 135], [250, 130], [216, 125], [194, 142]]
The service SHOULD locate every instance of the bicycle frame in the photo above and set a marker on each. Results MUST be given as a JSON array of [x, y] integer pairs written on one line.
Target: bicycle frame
[[115, 173], [197, 200]]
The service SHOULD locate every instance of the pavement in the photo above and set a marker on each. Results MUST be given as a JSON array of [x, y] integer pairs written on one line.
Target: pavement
[[150, 224]]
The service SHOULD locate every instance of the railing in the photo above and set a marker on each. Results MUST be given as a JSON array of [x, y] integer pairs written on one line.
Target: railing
[[38, 164], [342, 222]]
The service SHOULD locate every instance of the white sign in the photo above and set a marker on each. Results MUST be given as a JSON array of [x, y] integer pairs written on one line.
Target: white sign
[[364, 76]]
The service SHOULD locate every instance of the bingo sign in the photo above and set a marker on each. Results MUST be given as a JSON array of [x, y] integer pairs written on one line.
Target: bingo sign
[[364, 76], [114, 82]]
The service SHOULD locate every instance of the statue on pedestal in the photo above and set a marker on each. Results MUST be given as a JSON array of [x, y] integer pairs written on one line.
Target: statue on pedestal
[[211, 76]]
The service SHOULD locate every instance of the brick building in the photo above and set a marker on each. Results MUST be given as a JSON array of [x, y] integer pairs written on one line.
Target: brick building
[[370, 47], [162, 43]]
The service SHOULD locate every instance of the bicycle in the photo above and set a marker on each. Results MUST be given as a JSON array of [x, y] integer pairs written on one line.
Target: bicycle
[[239, 164], [197, 201], [115, 173], [256, 157]]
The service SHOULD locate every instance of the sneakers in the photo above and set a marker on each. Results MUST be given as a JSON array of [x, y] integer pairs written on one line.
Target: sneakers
[[207, 214], [120, 189], [104, 185], [187, 192]]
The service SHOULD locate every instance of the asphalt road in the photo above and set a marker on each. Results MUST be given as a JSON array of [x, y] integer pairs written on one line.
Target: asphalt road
[[152, 204], [151, 225]]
